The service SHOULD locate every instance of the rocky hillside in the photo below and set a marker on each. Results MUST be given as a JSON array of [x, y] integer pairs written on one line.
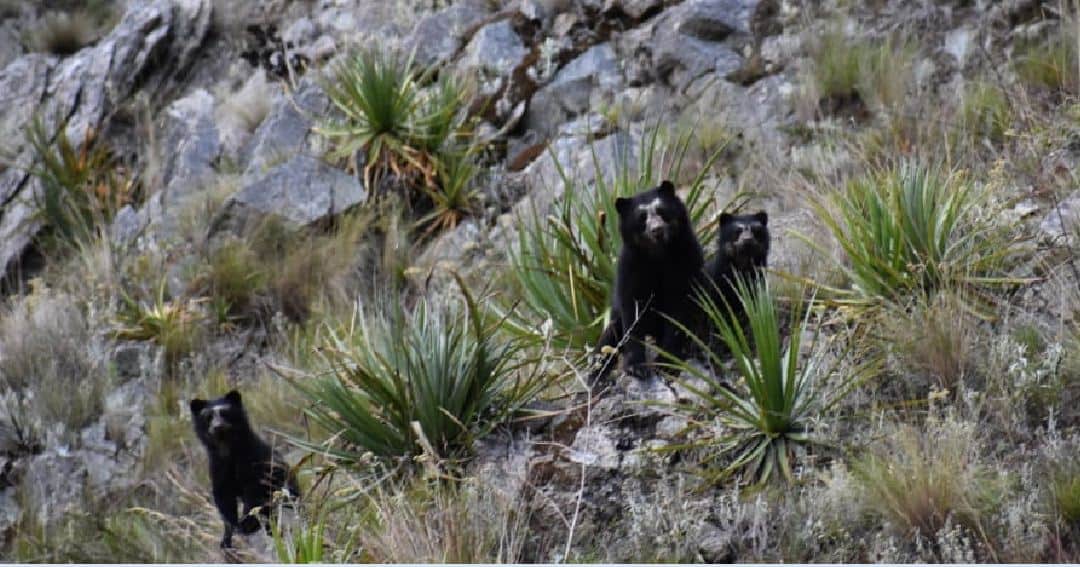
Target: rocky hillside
[[390, 225]]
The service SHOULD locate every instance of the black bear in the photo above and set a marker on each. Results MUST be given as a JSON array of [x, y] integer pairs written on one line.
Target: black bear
[[742, 250], [242, 466], [659, 265]]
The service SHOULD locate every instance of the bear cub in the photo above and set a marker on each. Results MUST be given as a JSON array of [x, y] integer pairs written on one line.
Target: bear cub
[[242, 467], [659, 265], [742, 250]]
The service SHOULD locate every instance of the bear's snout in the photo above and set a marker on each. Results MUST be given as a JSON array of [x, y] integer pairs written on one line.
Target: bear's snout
[[219, 426]]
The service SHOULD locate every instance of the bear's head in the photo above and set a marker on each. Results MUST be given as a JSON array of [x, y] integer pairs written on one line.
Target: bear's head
[[652, 220], [744, 239], [219, 423]]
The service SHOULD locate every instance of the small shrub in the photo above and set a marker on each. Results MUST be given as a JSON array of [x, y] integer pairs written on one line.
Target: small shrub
[[235, 275], [836, 64], [275, 268], [250, 105], [455, 196], [923, 480], [913, 228], [770, 412], [434, 377], [563, 265], [886, 73], [302, 545]]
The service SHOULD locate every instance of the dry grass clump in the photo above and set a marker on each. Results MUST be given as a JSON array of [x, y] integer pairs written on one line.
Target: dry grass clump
[[48, 364], [109, 530], [664, 523], [923, 481], [248, 106], [273, 268], [985, 115], [933, 342], [1050, 62], [61, 33], [428, 522]]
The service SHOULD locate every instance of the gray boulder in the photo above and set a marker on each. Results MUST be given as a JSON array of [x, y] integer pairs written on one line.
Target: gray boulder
[[302, 191], [286, 130], [1062, 224], [714, 20], [572, 90], [152, 42], [701, 37], [190, 144], [494, 50], [438, 36]]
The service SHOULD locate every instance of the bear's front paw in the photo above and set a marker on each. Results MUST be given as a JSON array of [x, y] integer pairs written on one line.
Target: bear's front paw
[[249, 525]]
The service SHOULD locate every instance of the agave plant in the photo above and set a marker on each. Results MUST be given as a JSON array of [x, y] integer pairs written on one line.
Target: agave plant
[[755, 424], [915, 228], [434, 377], [389, 116]]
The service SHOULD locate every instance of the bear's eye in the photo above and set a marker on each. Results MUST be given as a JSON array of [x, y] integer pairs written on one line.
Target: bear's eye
[[642, 216]]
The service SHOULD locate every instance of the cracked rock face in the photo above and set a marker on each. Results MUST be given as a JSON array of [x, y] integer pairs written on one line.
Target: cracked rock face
[[152, 42]]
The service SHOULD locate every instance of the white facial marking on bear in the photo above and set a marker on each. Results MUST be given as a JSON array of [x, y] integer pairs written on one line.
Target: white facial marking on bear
[[653, 222], [217, 419]]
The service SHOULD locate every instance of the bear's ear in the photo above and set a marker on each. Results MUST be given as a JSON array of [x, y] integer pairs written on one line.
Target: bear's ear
[[725, 218], [666, 188], [233, 397], [622, 204], [197, 406], [762, 217]]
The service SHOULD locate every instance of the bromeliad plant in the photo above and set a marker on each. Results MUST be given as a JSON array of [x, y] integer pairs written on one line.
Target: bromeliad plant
[[80, 189], [430, 379], [915, 228], [564, 264], [754, 425], [175, 325]]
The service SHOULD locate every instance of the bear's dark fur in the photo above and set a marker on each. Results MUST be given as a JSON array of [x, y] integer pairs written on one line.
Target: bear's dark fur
[[242, 467], [659, 265], [742, 250]]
